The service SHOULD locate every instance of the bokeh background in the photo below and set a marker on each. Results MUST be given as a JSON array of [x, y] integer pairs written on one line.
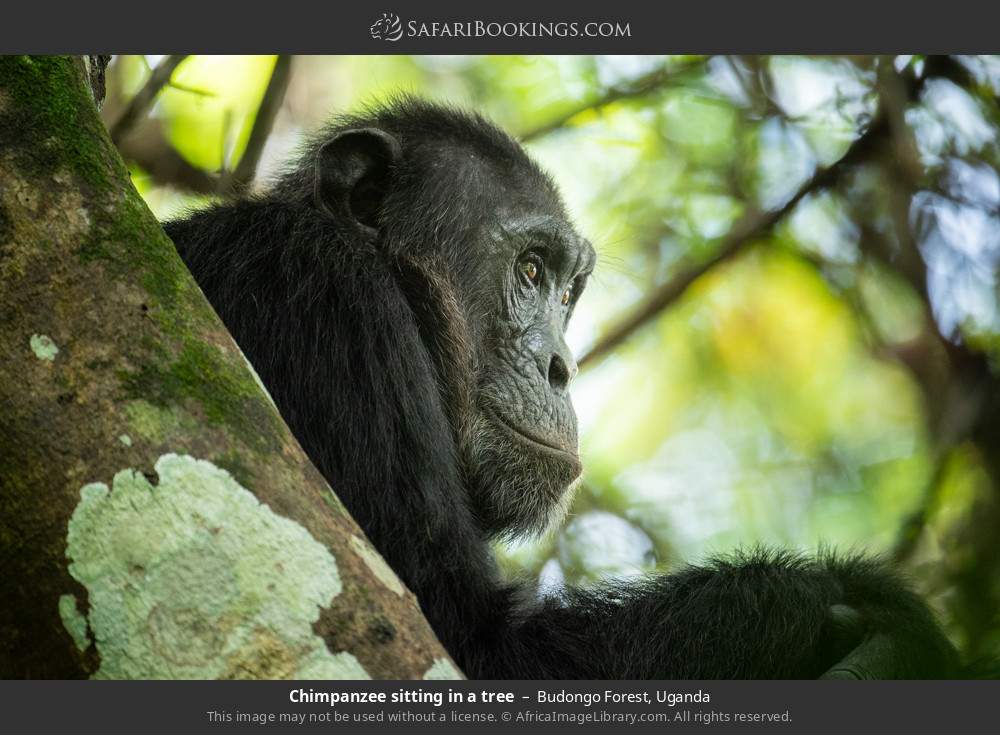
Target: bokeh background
[[792, 335]]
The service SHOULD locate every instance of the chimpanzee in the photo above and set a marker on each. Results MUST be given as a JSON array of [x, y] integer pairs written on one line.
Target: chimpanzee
[[403, 291]]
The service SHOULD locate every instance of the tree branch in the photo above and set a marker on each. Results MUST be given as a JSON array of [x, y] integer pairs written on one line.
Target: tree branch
[[143, 100], [638, 87], [149, 148], [96, 64], [749, 228], [242, 176]]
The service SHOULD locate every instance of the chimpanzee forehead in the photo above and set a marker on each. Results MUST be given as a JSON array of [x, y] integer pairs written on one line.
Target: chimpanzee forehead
[[540, 225], [554, 231]]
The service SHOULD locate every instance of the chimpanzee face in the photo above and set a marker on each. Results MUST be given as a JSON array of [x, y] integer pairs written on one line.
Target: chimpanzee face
[[525, 438], [493, 229]]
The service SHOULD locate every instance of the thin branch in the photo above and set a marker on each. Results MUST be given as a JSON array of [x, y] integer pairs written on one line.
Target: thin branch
[[197, 91], [143, 100], [913, 526], [756, 226], [638, 87], [743, 232], [150, 149], [242, 176]]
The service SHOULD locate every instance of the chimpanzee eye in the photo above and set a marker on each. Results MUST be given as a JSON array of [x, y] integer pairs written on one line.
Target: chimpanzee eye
[[531, 269], [567, 295]]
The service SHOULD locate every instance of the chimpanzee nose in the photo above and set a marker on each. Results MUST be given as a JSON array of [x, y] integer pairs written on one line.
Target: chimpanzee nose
[[559, 373], [561, 367], [554, 359]]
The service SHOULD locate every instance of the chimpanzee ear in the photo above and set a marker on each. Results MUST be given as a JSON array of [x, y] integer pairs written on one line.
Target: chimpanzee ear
[[352, 173]]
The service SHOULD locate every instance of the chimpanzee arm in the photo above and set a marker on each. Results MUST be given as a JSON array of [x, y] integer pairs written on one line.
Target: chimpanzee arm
[[762, 615]]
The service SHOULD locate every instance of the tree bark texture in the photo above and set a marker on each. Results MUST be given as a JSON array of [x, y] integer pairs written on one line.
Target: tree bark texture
[[157, 518]]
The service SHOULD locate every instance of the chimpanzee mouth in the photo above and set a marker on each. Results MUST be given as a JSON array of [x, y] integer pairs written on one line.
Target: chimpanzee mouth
[[527, 437]]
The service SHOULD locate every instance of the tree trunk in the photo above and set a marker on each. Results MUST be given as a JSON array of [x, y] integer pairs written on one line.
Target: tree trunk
[[157, 518]]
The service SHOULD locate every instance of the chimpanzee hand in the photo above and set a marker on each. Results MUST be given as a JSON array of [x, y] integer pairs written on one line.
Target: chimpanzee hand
[[866, 652]]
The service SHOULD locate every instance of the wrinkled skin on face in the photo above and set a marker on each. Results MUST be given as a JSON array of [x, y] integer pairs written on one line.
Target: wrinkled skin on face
[[523, 442]]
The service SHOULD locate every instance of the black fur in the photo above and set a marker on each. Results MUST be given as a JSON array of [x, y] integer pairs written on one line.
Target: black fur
[[368, 348]]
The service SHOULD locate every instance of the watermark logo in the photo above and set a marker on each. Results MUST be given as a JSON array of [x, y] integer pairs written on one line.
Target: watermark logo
[[390, 28], [387, 28]]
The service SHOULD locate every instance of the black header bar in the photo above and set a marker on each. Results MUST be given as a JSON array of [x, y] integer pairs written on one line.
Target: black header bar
[[512, 26]]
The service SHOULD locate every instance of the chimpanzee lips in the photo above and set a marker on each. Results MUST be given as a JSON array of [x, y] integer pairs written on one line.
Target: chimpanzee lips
[[536, 440]]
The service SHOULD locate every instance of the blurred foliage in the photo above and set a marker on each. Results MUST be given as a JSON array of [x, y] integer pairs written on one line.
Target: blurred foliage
[[789, 395]]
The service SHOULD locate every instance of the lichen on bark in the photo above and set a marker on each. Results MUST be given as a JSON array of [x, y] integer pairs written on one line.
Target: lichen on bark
[[188, 577]]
